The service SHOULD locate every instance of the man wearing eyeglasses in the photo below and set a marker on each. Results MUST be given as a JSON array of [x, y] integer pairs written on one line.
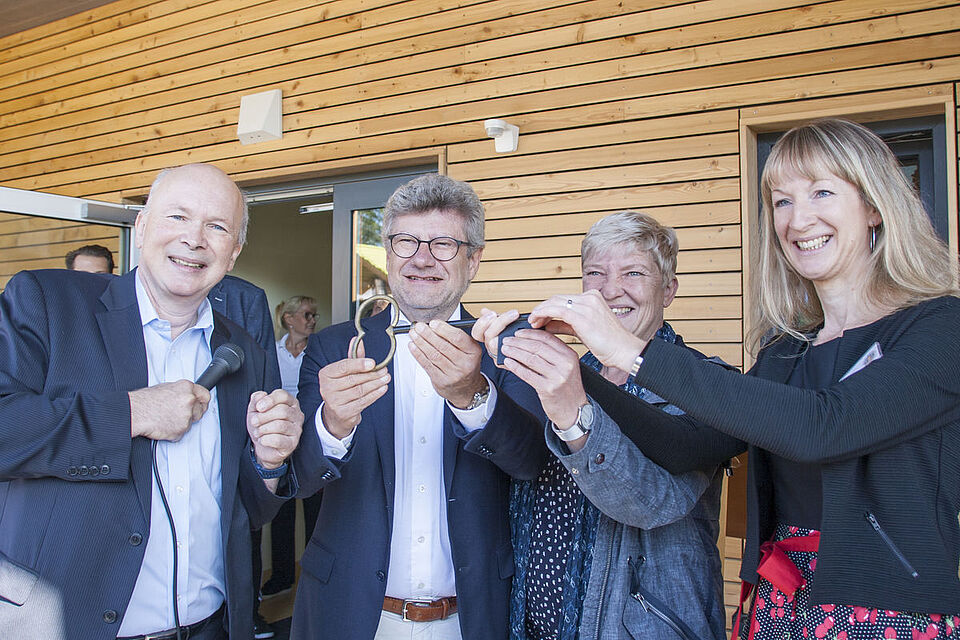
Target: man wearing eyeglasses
[[413, 537]]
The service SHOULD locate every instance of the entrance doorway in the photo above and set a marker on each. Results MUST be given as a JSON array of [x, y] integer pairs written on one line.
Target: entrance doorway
[[320, 238]]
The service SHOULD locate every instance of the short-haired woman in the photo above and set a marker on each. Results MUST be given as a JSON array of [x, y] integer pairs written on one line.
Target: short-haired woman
[[297, 316], [608, 544]]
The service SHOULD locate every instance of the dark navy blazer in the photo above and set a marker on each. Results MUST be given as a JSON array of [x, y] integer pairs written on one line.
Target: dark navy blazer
[[246, 304], [345, 564], [75, 489]]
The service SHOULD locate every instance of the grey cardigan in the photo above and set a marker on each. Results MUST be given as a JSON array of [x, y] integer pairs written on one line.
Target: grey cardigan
[[655, 556]]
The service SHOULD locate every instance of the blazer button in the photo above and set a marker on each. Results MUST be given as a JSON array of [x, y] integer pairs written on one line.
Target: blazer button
[[105, 469], [381, 576], [72, 471], [135, 539], [94, 470], [109, 616], [599, 459], [84, 470]]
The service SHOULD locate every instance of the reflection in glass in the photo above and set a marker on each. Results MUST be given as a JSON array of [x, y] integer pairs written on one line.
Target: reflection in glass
[[910, 165], [369, 257]]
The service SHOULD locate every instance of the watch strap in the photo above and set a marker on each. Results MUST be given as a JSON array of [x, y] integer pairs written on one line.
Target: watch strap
[[268, 474]]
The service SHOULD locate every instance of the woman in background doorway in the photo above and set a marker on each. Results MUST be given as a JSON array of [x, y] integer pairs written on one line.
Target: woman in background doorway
[[297, 316]]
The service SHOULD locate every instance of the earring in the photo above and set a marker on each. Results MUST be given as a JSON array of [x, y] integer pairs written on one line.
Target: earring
[[873, 238]]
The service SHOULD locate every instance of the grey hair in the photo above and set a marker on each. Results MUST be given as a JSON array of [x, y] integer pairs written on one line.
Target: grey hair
[[291, 305], [434, 192], [639, 230], [165, 173]]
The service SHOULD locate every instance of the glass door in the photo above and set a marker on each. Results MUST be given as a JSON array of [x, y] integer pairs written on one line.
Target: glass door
[[359, 258]]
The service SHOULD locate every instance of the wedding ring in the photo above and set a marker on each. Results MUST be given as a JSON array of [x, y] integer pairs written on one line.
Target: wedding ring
[[569, 303]]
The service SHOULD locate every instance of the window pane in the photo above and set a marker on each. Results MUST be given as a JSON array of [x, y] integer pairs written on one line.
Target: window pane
[[369, 257]]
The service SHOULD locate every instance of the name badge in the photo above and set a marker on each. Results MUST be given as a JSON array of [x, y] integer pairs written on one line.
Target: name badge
[[873, 353]]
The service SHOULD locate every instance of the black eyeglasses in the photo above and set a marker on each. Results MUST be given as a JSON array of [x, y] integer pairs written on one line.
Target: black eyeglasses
[[442, 248]]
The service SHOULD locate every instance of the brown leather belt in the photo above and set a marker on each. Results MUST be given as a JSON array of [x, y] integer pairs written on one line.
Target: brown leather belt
[[416, 610]]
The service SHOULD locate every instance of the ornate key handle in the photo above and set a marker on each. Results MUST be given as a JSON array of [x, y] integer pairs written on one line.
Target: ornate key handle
[[394, 319]]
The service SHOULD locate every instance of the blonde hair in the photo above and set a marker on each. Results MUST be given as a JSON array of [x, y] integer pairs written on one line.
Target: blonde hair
[[291, 305], [909, 263], [636, 229]]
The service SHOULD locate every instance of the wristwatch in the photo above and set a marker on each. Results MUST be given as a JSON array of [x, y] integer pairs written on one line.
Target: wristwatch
[[580, 428], [479, 397]]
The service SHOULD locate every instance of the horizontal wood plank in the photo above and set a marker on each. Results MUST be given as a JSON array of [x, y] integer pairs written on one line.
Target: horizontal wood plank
[[705, 260]]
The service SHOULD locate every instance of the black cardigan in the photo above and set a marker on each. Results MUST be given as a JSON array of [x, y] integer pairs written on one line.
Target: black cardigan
[[888, 440]]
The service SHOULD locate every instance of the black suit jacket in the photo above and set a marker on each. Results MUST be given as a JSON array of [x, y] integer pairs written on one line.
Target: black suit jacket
[[346, 561], [75, 488], [887, 438]]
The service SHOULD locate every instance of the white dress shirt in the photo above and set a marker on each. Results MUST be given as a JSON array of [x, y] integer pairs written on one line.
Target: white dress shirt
[[289, 366], [420, 562], [190, 471]]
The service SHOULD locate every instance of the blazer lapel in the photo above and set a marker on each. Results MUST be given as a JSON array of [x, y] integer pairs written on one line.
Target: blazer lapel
[[122, 333], [451, 443], [232, 406], [380, 415]]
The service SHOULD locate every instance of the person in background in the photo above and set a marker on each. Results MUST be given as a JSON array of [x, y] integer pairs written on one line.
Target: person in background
[[246, 304], [608, 544], [92, 258], [297, 316], [852, 409]]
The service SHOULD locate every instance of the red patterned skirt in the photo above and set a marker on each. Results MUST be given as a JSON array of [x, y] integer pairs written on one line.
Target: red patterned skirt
[[784, 611]]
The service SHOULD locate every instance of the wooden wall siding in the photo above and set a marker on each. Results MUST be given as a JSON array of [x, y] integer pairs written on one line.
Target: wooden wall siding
[[354, 86], [621, 104], [42, 243]]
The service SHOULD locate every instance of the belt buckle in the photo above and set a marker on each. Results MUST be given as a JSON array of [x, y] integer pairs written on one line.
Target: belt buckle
[[414, 601]]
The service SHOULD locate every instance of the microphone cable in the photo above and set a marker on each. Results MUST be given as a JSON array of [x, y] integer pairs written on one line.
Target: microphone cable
[[227, 359], [173, 535]]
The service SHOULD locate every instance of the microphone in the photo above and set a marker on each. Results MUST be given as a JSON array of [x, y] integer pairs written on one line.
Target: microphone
[[226, 360]]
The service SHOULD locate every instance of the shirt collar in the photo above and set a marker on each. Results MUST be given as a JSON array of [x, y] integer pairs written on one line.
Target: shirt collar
[[453, 316], [148, 314]]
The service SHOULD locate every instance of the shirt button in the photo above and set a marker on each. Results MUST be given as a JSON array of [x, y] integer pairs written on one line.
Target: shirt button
[[599, 459], [423, 440], [422, 488], [424, 393], [575, 471], [420, 539], [420, 586], [179, 489]]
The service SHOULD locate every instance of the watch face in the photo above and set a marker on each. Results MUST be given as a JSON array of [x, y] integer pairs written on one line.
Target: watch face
[[586, 416]]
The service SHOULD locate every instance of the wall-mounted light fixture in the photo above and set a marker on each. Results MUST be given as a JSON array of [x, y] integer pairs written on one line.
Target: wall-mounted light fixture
[[261, 117], [505, 135]]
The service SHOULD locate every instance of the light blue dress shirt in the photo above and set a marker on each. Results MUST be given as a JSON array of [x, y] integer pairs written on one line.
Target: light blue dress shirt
[[190, 472]]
